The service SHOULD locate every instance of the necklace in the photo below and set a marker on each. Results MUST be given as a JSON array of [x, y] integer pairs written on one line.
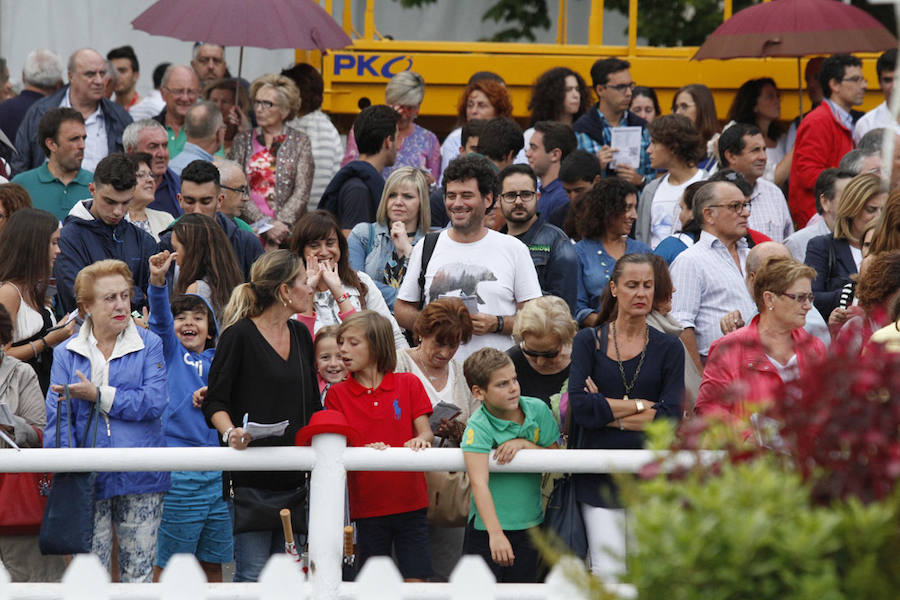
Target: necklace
[[629, 386], [420, 360]]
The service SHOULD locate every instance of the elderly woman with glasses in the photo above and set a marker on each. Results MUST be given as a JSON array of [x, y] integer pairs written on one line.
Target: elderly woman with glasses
[[748, 366], [277, 159], [419, 148], [544, 331]]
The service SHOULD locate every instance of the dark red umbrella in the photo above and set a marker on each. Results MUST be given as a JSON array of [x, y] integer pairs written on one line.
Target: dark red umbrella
[[796, 28]]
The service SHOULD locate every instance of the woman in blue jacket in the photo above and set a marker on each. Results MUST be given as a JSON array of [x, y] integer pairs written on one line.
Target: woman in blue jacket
[[112, 362], [382, 249]]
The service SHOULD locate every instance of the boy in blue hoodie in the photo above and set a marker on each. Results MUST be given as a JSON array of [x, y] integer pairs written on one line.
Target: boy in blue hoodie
[[195, 516]]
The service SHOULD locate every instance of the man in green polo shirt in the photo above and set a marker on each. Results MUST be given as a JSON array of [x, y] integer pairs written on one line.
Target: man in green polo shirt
[[506, 505], [60, 183]]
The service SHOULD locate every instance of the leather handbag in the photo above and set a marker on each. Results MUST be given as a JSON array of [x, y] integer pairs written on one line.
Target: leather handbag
[[68, 523], [563, 515], [23, 497], [256, 509]]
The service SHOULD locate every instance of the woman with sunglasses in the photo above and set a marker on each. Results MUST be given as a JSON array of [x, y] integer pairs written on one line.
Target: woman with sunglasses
[[747, 367], [278, 160], [544, 331]]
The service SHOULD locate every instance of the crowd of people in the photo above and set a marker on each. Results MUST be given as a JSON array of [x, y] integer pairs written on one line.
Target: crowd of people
[[179, 269]]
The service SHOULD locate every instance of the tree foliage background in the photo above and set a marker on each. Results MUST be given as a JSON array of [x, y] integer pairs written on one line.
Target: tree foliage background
[[661, 22]]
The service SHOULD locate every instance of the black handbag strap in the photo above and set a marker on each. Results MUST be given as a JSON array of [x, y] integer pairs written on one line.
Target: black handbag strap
[[93, 416]]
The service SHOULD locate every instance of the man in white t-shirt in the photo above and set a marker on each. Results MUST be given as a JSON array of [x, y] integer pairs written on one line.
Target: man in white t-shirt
[[674, 146], [492, 273]]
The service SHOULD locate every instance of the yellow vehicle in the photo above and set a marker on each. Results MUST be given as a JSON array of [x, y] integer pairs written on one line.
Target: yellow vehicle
[[358, 73]]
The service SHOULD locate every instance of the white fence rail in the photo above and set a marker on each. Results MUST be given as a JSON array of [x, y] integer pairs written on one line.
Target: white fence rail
[[328, 460]]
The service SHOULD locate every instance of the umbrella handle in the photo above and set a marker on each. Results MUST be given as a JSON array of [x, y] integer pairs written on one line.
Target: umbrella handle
[[286, 526]]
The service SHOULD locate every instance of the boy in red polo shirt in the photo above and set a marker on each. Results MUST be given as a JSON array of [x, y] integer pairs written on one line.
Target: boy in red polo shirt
[[387, 409]]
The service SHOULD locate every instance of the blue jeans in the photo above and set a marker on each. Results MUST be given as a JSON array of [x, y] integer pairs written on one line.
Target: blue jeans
[[252, 551]]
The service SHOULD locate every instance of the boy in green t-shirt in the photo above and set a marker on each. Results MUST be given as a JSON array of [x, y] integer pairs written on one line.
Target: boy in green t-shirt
[[505, 505]]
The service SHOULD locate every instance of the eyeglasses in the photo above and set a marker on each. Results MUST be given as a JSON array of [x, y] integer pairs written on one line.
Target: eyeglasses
[[243, 190], [144, 175], [621, 87], [799, 298], [536, 354], [735, 207], [264, 104], [510, 197], [855, 79], [189, 92]]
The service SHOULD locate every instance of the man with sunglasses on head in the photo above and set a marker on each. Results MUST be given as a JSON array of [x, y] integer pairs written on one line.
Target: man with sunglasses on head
[[709, 276], [551, 250], [611, 78]]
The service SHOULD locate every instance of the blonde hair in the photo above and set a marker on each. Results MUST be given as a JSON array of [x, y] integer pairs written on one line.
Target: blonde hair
[[776, 275], [543, 317], [417, 179], [286, 89], [87, 278], [406, 88], [858, 191], [380, 335], [267, 274]]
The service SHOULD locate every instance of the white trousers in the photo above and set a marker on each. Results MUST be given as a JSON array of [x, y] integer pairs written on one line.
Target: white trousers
[[606, 540]]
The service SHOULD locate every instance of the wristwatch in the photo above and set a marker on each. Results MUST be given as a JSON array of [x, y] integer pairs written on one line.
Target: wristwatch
[[639, 406], [227, 434], [499, 325]]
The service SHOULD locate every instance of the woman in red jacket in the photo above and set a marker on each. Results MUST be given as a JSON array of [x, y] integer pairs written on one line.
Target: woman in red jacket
[[747, 367]]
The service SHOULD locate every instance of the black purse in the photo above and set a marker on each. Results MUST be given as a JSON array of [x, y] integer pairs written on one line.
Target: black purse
[[563, 515], [257, 509], [68, 523]]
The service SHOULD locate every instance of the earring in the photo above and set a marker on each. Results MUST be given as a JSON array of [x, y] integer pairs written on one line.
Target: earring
[[771, 308]]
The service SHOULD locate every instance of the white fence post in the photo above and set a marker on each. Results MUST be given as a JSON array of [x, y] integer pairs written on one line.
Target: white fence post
[[282, 579], [183, 579], [5, 591], [560, 582], [379, 580], [472, 579], [86, 579], [326, 509]]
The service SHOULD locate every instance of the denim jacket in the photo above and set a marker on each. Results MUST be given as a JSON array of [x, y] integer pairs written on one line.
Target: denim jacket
[[370, 248], [595, 267]]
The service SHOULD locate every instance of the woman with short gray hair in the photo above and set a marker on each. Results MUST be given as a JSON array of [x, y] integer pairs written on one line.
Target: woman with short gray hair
[[417, 147]]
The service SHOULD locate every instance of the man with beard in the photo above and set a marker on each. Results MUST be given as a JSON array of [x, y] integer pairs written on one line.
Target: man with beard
[[104, 120], [59, 183], [551, 250], [490, 272]]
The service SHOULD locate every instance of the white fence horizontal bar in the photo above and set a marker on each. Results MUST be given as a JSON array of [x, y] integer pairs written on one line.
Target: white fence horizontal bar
[[59, 460]]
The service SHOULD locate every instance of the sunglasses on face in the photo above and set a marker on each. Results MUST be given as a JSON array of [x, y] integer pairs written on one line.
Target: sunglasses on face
[[536, 354]]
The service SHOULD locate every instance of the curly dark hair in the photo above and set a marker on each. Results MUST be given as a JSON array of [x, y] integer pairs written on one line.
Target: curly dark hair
[[679, 136], [601, 204], [879, 280], [743, 108], [496, 93], [472, 166], [310, 84], [549, 93]]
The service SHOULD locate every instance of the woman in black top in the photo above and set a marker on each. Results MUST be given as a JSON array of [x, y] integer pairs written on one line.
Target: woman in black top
[[263, 369], [544, 330]]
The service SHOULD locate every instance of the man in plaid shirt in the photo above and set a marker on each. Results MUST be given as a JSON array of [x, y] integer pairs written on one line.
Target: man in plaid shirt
[[611, 78]]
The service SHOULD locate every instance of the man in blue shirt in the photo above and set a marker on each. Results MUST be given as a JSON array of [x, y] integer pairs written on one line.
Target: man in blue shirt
[[205, 132], [58, 184], [611, 78], [550, 143]]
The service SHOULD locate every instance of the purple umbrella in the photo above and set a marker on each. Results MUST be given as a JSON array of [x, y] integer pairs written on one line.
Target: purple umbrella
[[271, 24]]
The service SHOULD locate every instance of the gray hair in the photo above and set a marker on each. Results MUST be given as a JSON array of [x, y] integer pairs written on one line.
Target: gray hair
[[202, 121], [852, 161], [226, 167], [198, 45], [42, 69], [406, 88], [871, 143], [707, 195], [133, 131], [111, 72]]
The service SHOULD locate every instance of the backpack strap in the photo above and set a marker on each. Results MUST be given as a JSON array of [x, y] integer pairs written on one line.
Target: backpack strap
[[428, 244]]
